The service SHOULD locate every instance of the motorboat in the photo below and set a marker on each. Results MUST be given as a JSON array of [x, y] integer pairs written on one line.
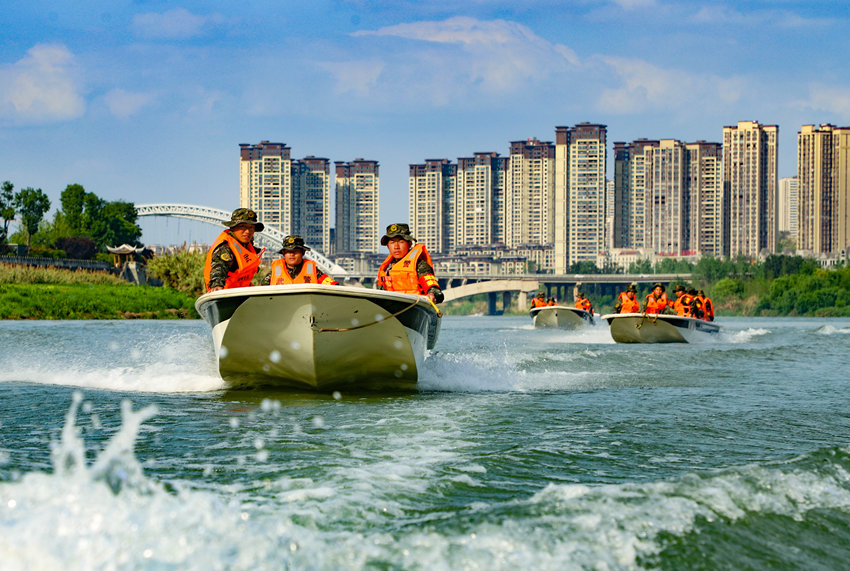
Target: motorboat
[[658, 328], [319, 337], [560, 316]]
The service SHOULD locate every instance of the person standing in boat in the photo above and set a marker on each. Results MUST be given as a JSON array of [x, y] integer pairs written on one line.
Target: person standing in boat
[[408, 268], [293, 268], [583, 303], [627, 302], [233, 260], [656, 301], [539, 300]]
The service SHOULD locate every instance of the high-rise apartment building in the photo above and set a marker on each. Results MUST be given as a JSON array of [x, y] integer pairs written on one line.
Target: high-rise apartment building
[[579, 194], [357, 217], [749, 189], [787, 205], [290, 196], [313, 201], [665, 222], [704, 197], [480, 199], [529, 193], [432, 187], [823, 174], [667, 196], [265, 184]]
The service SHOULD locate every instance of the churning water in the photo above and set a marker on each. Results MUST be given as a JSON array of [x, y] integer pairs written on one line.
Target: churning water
[[524, 449]]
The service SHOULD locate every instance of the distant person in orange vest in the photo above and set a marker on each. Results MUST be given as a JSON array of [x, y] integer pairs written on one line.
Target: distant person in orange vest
[[694, 304], [627, 302], [656, 301], [293, 268], [675, 303], [552, 301], [539, 300], [408, 268], [233, 260], [583, 303], [707, 306]]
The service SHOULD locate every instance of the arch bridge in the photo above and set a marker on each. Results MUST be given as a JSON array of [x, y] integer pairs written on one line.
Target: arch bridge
[[269, 238]]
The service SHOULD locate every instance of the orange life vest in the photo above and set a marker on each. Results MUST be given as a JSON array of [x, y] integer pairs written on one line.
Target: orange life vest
[[246, 256], [628, 305], [654, 305], [537, 302], [583, 304], [401, 275], [683, 305], [707, 309], [280, 274]]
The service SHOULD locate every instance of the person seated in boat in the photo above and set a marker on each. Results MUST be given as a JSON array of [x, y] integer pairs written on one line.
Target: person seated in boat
[[408, 268], [552, 301], [233, 260], [694, 308], [293, 268], [707, 306], [683, 305], [627, 301], [674, 303], [656, 301], [539, 300], [583, 303]]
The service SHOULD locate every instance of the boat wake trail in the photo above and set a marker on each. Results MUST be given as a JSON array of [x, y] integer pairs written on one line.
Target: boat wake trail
[[181, 362]]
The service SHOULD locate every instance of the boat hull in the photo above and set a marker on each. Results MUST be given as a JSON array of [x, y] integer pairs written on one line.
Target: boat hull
[[643, 328], [560, 317], [319, 337]]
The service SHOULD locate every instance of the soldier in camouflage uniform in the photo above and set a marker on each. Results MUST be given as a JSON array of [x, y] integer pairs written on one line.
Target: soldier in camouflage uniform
[[233, 260], [395, 274], [293, 263]]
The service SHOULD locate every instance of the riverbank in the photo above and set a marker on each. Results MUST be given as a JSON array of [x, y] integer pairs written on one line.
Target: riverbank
[[46, 293]]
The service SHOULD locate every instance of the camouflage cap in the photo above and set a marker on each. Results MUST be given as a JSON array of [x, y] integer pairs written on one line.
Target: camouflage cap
[[679, 287], [293, 242], [244, 216], [631, 288], [659, 284], [397, 231]]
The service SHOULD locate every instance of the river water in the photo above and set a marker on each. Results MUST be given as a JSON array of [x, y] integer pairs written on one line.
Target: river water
[[524, 449]]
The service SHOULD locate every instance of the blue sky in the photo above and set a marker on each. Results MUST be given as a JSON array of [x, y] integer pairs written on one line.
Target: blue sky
[[147, 101]]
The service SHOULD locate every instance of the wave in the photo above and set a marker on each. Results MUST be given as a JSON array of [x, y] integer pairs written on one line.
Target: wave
[[107, 513]]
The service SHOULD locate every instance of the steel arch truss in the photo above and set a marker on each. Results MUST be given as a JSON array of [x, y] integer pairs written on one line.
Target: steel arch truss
[[270, 238]]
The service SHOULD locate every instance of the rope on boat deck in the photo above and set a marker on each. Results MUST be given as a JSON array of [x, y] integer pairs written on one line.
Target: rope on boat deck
[[340, 329], [652, 320]]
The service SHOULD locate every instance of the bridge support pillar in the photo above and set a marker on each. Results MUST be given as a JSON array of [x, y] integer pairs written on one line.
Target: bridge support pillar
[[506, 301], [491, 303], [522, 301]]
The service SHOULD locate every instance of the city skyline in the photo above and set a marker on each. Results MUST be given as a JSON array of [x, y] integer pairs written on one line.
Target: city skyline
[[146, 103]]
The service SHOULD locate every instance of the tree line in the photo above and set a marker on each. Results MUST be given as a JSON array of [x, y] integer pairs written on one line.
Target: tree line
[[81, 229]]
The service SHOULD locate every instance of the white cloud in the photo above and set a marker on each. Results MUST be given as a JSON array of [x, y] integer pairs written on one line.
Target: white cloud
[[124, 104], [174, 24], [357, 77], [724, 15], [449, 57], [829, 99], [41, 87], [649, 87], [634, 4]]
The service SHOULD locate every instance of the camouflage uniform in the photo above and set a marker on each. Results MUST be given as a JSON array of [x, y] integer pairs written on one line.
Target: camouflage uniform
[[223, 262], [423, 268]]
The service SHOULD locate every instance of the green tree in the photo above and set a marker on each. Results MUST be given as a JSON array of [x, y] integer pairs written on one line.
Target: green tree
[[7, 209], [32, 204], [73, 200]]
